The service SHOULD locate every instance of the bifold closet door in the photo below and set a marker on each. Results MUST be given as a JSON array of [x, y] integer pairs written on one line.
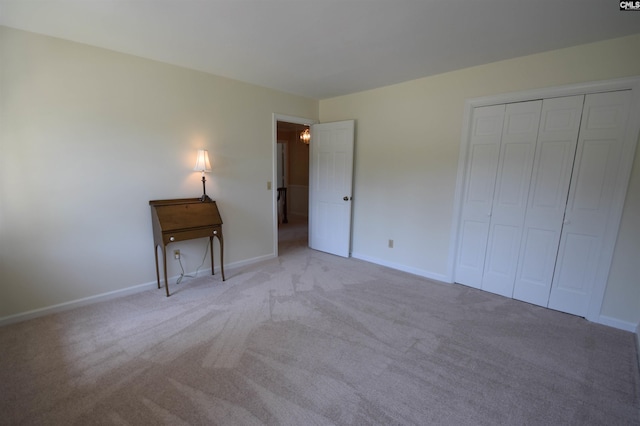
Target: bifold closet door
[[542, 198], [481, 168], [586, 233], [557, 139], [517, 150]]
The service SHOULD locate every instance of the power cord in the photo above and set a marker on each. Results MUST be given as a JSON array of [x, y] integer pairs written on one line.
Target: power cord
[[182, 274]]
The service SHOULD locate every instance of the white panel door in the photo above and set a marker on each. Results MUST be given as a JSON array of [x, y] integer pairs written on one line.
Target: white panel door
[[480, 177], [330, 186], [593, 184], [519, 136], [557, 138]]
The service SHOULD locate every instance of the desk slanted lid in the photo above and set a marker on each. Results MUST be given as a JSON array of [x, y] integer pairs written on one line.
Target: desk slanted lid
[[184, 213]]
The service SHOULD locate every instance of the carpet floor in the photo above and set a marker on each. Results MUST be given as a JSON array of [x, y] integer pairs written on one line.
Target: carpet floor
[[313, 339]]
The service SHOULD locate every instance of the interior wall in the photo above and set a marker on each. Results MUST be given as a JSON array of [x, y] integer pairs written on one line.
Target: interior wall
[[299, 175], [407, 149], [88, 136], [298, 168]]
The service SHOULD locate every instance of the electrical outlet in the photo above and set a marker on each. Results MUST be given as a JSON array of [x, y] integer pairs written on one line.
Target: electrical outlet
[[390, 243], [176, 254]]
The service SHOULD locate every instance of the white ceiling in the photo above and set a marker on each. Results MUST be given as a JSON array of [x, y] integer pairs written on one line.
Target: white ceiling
[[324, 48]]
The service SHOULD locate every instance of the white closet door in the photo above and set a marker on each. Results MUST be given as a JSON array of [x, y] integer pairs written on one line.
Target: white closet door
[[557, 138], [519, 136], [480, 177], [593, 184]]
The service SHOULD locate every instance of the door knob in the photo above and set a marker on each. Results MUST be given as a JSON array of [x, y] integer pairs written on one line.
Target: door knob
[[345, 198]]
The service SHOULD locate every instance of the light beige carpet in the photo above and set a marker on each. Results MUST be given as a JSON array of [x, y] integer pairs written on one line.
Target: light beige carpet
[[309, 338]]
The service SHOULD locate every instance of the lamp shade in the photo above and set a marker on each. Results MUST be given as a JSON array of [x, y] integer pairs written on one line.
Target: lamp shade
[[202, 161]]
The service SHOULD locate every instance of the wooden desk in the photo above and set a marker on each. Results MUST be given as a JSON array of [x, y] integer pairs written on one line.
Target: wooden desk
[[184, 219]]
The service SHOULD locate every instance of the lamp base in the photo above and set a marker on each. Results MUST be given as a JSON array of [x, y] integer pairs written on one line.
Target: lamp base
[[205, 198]]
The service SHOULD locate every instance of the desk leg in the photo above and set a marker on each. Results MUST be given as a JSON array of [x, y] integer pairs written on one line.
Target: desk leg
[[164, 258], [220, 240], [211, 253], [155, 252]]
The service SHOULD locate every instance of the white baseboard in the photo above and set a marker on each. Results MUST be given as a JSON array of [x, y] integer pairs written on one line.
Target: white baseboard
[[65, 306], [616, 323], [247, 262], [602, 319], [72, 304], [415, 271]]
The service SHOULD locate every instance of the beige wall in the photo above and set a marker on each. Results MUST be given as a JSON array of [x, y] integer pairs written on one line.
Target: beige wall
[[407, 147], [298, 161], [89, 136], [296, 170], [298, 156], [298, 192]]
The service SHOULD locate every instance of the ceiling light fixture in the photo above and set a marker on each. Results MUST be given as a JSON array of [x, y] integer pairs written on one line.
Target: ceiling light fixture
[[305, 136]]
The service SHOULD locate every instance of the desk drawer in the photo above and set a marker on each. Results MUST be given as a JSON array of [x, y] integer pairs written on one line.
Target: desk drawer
[[172, 237]]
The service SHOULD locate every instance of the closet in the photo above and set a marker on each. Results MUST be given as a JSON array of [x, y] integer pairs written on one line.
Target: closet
[[539, 183]]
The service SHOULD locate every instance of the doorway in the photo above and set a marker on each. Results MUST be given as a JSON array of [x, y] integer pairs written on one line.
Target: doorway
[[291, 184]]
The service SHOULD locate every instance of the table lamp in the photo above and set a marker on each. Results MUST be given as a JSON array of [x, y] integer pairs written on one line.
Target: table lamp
[[203, 165]]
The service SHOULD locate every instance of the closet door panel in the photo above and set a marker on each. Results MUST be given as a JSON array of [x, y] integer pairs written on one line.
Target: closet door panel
[[593, 184], [517, 150], [481, 168], [557, 138]]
